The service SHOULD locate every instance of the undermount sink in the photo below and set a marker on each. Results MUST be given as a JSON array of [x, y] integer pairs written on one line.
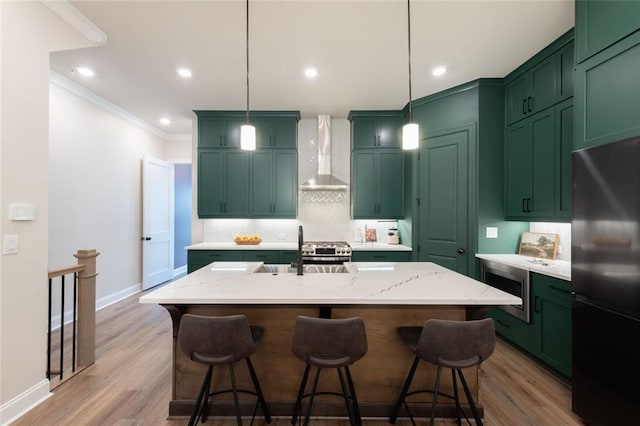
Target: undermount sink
[[307, 269]]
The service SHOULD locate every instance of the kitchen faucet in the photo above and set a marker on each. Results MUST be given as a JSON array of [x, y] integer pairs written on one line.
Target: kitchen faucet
[[299, 269]]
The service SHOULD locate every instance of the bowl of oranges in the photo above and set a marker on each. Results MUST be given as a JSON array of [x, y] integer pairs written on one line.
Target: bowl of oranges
[[248, 240]]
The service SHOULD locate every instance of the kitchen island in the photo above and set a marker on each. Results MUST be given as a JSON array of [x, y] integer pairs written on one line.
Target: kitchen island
[[385, 295]]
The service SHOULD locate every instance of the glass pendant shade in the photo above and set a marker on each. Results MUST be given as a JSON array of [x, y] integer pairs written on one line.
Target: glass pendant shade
[[410, 136], [247, 137]]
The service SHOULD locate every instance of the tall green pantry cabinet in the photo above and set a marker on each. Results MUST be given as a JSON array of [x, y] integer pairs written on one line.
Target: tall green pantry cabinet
[[237, 184], [456, 178]]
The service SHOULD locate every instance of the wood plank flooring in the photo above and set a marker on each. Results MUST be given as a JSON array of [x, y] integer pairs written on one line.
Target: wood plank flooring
[[130, 383]]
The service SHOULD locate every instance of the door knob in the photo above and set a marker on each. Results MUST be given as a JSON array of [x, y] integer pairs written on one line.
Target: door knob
[[461, 251]]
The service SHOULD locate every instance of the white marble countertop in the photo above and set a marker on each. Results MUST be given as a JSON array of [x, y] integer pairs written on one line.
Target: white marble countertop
[[553, 268], [403, 283], [355, 246]]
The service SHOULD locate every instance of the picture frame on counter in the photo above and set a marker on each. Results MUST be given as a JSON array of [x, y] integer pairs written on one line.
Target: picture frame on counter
[[539, 244]]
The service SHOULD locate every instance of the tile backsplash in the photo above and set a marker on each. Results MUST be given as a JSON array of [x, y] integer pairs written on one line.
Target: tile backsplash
[[324, 215]]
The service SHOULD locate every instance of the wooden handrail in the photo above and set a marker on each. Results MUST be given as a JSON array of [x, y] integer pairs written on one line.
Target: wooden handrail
[[66, 270]]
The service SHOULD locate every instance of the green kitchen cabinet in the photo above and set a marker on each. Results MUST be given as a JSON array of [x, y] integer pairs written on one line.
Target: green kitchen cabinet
[[548, 336], [278, 132], [377, 181], [540, 83], [288, 256], [376, 129], [266, 256], [552, 317], [600, 24], [608, 95], [538, 165], [197, 259], [223, 183], [273, 183], [380, 256], [529, 159], [219, 132]]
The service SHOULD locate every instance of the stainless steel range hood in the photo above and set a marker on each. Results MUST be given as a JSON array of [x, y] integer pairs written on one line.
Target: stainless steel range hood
[[324, 180]]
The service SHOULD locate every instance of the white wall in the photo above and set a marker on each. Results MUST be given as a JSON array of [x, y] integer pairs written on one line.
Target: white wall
[[95, 190], [179, 150], [29, 31]]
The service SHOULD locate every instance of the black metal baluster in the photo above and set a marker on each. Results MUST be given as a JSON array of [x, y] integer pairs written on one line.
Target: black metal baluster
[[75, 311], [62, 329], [49, 336]]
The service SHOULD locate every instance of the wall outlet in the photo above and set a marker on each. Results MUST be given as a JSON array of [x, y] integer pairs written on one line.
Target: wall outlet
[[10, 244], [492, 232]]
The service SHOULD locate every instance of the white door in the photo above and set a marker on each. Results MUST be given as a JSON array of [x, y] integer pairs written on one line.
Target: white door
[[157, 221]]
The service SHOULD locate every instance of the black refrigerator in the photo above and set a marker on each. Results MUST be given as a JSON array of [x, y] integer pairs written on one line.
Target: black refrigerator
[[605, 275]]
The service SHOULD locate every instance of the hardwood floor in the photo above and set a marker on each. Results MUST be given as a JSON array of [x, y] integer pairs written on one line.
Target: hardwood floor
[[130, 383]]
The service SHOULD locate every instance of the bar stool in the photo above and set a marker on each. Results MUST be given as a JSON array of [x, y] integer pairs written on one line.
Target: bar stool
[[329, 343], [220, 341], [449, 344]]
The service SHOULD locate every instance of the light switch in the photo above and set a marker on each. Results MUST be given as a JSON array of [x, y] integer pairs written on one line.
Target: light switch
[[492, 232], [10, 244]]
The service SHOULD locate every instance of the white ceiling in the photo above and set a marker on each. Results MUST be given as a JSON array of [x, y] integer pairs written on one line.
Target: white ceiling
[[359, 48]]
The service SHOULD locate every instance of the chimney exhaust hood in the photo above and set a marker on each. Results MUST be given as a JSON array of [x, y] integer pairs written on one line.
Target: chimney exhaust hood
[[324, 180]]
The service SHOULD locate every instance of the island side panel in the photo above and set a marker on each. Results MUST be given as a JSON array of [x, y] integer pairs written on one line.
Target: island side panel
[[378, 376]]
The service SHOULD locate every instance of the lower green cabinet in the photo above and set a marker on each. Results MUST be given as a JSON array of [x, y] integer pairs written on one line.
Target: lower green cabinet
[[197, 259], [548, 336], [381, 256], [266, 256]]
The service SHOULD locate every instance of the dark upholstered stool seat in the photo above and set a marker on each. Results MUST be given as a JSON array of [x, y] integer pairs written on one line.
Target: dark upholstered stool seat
[[329, 343], [447, 344], [221, 341]]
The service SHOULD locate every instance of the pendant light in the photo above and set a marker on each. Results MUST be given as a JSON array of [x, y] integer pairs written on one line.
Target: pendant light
[[247, 131], [410, 131]]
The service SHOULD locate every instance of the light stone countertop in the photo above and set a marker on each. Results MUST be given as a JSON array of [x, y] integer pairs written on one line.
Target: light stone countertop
[[367, 283], [355, 246], [554, 268]]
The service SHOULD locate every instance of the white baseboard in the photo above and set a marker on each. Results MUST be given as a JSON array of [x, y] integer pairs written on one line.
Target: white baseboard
[[21, 404], [179, 271]]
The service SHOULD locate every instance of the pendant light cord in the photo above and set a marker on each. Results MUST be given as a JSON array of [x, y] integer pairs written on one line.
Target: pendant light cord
[[247, 61], [409, 45]]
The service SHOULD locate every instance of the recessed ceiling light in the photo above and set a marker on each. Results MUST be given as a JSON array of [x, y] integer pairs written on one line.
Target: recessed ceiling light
[[185, 72], [438, 71], [311, 72], [84, 71], [165, 121]]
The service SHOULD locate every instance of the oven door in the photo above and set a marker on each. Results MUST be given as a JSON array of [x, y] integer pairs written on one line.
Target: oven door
[[511, 280]]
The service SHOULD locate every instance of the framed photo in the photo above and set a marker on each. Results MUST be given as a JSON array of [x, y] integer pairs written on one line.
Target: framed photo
[[370, 235], [539, 244]]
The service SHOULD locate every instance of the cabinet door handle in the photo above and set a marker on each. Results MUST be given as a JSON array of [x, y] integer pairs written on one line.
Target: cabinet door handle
[[561, 290], [524, 106], [224, 207], [375, 140], [221, 140], [524, 209], [528, 205], [221, 210], [529, 99], [536, 304]]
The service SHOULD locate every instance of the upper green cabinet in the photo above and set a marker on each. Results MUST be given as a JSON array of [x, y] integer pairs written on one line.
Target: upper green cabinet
[[377, 178], [273, 183], [278, 132], [223, 183], [541, 82], [375, 129], [600, 24], [377, 165], [538, 165], [608, 94], [238, 184], [219, 132]]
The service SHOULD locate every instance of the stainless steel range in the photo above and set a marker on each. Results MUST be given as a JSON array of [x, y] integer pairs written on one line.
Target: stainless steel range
[[326, 252]]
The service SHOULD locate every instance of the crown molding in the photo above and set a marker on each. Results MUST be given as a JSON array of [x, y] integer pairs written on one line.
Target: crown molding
[[77, 20], [88, 95]]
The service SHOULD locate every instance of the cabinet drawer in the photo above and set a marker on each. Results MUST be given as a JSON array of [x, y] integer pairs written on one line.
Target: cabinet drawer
[[381, 256], [266, 256], [288, 256], [208, 256]]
